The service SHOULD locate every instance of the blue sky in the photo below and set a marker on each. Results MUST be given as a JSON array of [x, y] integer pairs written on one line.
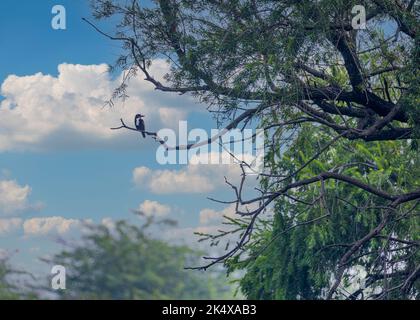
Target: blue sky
[[73, 170], [30, 45]]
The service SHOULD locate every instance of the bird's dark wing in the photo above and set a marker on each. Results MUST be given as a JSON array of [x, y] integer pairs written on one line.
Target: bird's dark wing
[[141, 127]]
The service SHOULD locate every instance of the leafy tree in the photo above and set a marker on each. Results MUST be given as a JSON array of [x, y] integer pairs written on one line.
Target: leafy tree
[[314, 226], [13, 284], [126, 263], [340, 108], [7, 291]]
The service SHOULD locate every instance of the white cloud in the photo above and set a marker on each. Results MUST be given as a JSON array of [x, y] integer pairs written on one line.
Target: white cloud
[[186, 180], [49, 225], [141, 174], [195, 177], [212, 216], [108, 222], [154, 208], [46, 112], [169, 116], [14, 197], [9, 225], [211, 222]]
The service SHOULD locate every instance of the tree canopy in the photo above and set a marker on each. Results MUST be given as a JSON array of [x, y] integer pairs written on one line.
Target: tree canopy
[[13, 284], [125, 262], [7, 291], [340, 109]]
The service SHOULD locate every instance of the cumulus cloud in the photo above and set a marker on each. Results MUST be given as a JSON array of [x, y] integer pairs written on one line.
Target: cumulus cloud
[[212, 216], [154, 208], [14, 197], [187, 180], [49, 225], [212, 222], [108, 222], [9, 225], [141, 175], [196, 177], [67, 111], [169, 116]]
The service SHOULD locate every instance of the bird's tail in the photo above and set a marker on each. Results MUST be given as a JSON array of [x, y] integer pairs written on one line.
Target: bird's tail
[[143, 134]]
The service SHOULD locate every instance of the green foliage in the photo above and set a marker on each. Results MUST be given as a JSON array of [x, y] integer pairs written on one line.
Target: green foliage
[[312, 77], [126, 263], [9, 289], [299, 262], [7, 292]]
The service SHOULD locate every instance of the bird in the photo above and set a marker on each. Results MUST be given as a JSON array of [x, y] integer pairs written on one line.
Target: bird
[[139, 123]]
